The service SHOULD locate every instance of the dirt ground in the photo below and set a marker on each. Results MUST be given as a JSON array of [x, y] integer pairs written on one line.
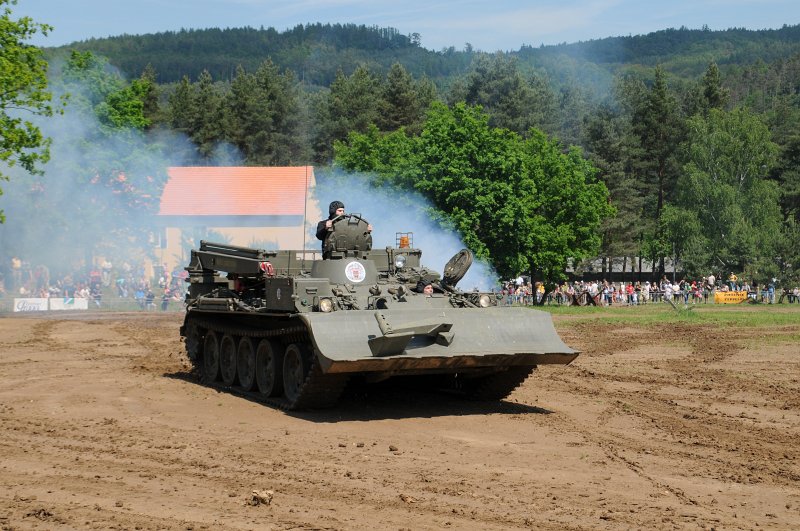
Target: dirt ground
[[682, 426]]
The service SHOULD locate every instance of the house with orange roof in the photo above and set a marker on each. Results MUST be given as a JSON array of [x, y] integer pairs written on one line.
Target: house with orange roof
[[262, 207]]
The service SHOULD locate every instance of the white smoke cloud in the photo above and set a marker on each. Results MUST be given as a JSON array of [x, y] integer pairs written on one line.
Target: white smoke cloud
[[390, 212], [71, 215]]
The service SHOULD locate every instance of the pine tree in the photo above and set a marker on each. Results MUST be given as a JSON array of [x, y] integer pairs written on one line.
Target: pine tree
[[399, 105], [714, 94], [180, 106], [206, 126], [660, 129], [353, 104]]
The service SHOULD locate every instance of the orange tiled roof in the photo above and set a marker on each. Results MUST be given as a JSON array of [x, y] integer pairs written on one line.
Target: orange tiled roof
[[236, 191]]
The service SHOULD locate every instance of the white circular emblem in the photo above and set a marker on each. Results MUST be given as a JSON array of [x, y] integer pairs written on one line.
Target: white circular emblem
[[355, 272]]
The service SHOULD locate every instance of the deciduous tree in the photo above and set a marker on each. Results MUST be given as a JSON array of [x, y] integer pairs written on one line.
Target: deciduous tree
[[724, 185], [523, 205], [23, 91]]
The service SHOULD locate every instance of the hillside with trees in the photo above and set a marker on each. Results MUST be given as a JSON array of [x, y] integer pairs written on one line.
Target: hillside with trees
[[681, 144]]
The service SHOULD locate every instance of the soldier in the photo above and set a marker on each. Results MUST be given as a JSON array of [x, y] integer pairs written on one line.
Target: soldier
[[425, 287], [324, 227]]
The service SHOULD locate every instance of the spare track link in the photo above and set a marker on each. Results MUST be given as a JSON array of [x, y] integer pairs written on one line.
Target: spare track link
[[319, 390]]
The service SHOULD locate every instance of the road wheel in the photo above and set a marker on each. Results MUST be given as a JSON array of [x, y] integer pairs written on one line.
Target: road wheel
[[246, 363], [210, 358], [227, 359], [295, 369], [269, 368], [457, 267]]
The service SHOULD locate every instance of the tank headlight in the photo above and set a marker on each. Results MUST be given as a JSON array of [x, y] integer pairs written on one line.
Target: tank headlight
[[400, 261], [325, 305], [485, 301]]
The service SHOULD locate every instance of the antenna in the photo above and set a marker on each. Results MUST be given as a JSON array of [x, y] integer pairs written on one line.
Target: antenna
[[305, 215]]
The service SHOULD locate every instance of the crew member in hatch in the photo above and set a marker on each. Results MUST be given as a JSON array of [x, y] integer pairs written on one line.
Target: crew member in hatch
[[335, 209], [425, 287]]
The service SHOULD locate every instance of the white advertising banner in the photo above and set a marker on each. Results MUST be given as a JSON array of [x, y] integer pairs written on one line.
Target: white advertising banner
[[30, 305], [69, 303]]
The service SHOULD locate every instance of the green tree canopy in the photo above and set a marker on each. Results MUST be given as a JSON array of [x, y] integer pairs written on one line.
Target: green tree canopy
[[95, 85], [263, 117], [404, 100], [521, 204], [724, 187], [353, 104], [496, 84], [658, 124], [23, 90]]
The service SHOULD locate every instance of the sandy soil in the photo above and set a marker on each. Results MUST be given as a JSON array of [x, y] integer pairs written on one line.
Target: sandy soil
[[103, 427]]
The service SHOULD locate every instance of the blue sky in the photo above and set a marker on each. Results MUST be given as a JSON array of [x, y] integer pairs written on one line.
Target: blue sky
[[486, 25]]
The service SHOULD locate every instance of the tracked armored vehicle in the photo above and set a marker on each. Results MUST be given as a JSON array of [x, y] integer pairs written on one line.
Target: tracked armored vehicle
[[292, 327]]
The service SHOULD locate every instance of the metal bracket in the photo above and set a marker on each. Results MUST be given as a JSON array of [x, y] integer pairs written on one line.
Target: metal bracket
[[395, 338]]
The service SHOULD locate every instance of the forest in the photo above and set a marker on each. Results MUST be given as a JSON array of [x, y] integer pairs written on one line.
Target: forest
[[680, 144]]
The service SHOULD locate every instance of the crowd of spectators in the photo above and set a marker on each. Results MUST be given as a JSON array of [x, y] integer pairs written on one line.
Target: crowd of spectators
[[605, 293], [19, 278]]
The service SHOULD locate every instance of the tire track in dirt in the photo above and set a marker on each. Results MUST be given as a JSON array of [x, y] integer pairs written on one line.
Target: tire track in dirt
[[640, 432], [722, 447]]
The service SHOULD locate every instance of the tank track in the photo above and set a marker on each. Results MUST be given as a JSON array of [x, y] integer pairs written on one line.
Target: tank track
[[319, 390]]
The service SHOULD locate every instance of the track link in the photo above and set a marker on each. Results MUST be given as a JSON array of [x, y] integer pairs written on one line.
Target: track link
[[319, 390]]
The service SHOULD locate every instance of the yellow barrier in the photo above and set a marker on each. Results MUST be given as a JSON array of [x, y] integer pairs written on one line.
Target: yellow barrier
[[730, 297]]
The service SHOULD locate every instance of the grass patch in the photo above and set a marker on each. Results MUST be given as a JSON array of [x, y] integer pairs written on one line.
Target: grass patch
[[740, 315], [774, 340]]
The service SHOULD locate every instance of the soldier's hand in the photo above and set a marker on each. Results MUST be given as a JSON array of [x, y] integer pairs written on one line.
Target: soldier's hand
[[369, 228], [328, 224]]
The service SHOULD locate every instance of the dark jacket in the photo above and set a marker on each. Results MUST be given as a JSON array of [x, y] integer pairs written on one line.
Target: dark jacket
[[322, 231]]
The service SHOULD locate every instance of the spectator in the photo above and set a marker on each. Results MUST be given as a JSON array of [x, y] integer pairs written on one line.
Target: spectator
[[16, 272], [165, 300], [138, 296], [96, 295], [106, 268], [667, 289], [149, 299], [629, 293], [646, 292]]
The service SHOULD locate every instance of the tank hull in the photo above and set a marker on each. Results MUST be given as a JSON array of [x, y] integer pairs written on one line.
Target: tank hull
[[296, 337]]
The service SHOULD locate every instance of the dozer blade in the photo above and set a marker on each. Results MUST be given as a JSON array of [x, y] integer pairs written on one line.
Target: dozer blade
[[413, 339]]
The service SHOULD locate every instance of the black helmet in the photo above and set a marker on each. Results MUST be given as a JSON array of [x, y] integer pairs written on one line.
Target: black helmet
[[333, 207]]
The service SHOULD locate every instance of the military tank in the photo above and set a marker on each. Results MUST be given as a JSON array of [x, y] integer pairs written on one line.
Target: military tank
[[292, 327]]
